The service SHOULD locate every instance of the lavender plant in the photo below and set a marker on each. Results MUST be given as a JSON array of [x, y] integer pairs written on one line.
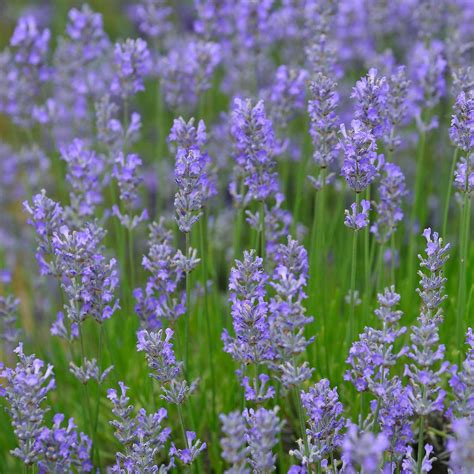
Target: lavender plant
[[153, 197]]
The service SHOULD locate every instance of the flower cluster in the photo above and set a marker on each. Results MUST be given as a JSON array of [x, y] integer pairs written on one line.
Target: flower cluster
[[392, 189], [427, 355], [142, 435], [132, 65], [287, 313], [89, 278], [255, 147], [9, 333], [324, 120], [361, 160]]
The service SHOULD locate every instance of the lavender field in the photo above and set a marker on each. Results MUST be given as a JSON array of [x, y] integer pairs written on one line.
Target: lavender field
[[236, 236]]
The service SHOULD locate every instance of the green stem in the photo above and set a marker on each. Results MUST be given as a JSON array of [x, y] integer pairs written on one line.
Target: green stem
[[414, 210], [392, 258], [367, 285], [448, 192], [131, 264], [302, 423], [207, 309], [353, 279], [463, 258], [188, 308]]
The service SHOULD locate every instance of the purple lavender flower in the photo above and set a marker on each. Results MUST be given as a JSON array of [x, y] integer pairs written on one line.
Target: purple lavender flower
[[153, 18], [25, 391], [325, 423], [90, 280], [183, 81], [186, 135], [324, 120], [362, 451], [427, 70], [62, 449], [142, 435], [191, 172], [126, 173], [391, 191], [373, 355], [159, 354], [110, 131], [24, 71], [258, 391], [361, 160], [464, 175], [287, 313], [461, 446], [263, 430], [462, 383], [424, 372], [84, 173], [82, 73], [255, 147], [162, 299], [132, 65], [371, 96], [410, 466], [47, 217], [252, 341], [357, 220], [234, 443], [162, 361], [89, 371], [462, 122], [193, 448], [397, 104], [319, 21], [9, 334], [286, 96], [191, 180]]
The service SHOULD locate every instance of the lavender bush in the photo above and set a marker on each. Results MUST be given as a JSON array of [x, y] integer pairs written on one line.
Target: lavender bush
[[237, 235]]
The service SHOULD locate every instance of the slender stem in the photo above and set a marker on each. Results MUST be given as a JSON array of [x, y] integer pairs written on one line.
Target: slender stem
[[188, 307], [238, 224], [463, 258], [414, 210], [301, 420], [367, 285], [392, 258], [448, 192], [207, 309], [97, 402], [353, 278], [131, 263]]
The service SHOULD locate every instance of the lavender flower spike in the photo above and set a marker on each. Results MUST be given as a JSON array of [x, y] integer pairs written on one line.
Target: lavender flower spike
[[324, 120], [357, 220], [264, 428], [371, 95], [362, 451], [9, 334], [255, 147], [132, 65], [461, 446], [25, 391], [162, 361], [234, 447], [427, 366], [325, 424], [361, 160]]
